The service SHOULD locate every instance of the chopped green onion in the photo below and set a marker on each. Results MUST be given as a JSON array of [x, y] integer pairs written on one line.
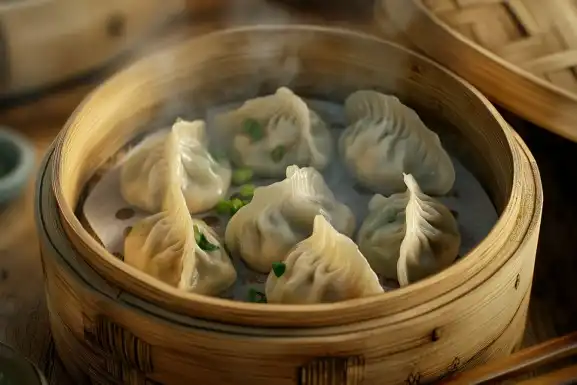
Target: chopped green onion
[[206, 245], [247, 190], [202, 242], [236, 204], [241, 176], [253, 129], [219, 155], [278, 268], [234, 195], [223, 206], [256, 296], [278, 153]]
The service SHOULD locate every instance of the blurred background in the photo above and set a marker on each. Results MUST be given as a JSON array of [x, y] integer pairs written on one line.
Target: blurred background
[[54, 52]]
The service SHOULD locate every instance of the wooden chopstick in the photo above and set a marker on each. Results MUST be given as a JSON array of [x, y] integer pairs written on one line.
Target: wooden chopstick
[[527, 360]]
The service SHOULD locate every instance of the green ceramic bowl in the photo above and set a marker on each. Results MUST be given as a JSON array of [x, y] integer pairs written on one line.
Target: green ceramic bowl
[[16, 165], [17, 370]]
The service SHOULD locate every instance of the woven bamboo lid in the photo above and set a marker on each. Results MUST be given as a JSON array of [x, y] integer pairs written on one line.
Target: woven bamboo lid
[[521, 53]]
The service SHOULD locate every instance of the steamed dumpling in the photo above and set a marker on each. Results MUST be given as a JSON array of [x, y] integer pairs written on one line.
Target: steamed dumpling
[[203, 180], [272, 132], [409, 236], [386, 139], [143, 174], [174, 248], [281, 215], [382, 232], [326, 267], [432, 237]]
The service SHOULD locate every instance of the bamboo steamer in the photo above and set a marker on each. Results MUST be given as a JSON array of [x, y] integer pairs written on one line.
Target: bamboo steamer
[[45, 42], [520, 53], [115, 325]]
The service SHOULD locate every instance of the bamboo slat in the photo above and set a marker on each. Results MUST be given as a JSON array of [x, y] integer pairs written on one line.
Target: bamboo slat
[[114, 324], [44, 42], [521, 53]]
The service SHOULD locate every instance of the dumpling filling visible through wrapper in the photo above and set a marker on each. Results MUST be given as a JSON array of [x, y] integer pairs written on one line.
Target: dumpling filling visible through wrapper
[[165, 245], [272, 132], [326, 267], [203, 180], [386, 139], [409, 236], [281, 215]]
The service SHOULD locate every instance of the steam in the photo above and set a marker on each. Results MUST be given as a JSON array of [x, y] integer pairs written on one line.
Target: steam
[[275, 56], [285, 64], [243, 12]]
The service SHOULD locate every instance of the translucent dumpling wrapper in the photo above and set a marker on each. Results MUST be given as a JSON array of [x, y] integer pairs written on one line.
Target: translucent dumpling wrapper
[[409, 236], [203, 180], [281, 215], [175, 248], [326, 267], [386, 139], [272, 132]]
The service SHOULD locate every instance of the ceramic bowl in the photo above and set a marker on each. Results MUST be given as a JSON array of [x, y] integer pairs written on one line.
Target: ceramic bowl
[[16, 164]]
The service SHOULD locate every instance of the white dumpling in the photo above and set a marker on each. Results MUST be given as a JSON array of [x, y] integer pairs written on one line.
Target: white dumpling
[[432, 237], [281, 215], [270, 133], [326, 267], [409, 236], [143, 174], [173, 247], [382, 232], [386, 139], [204, 181]]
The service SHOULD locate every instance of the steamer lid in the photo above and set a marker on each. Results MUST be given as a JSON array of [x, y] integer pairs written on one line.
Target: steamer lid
[[521, 54]]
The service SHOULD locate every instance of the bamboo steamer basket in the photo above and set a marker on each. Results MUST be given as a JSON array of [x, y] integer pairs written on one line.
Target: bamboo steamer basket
[[520, 53], [113, 324], [45, 42]]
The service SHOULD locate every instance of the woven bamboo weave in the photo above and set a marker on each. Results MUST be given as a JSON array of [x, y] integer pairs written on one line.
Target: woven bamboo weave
[[539, 36], [121, 326]]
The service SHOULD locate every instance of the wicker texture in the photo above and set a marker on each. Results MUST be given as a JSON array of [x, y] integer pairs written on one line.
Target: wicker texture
[[119, 326], [538, 36]]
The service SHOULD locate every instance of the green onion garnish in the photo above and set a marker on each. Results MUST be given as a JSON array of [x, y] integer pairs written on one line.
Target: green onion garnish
[[223, 207], [253, 129], [241, 176], [256, 296], [219, 155], [278, 153], [202, 242], [247, 190], [236, 204], [278, 268]]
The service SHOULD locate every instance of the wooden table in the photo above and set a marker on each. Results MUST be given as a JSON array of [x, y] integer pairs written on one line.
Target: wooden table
[[23, 315]]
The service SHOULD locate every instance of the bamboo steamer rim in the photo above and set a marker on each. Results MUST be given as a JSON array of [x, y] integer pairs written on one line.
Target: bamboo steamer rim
[[54, 238], [563, 126], [508, 65], [481, 262]]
